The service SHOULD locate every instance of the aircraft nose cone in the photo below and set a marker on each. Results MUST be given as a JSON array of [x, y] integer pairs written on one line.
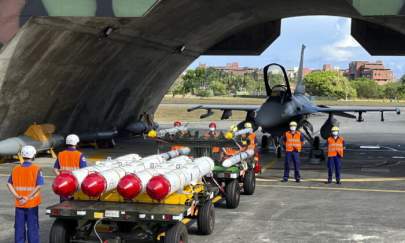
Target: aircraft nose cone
[[10, 146]]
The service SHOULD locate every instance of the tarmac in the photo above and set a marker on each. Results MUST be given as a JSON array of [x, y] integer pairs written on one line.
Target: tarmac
[[367, 207]]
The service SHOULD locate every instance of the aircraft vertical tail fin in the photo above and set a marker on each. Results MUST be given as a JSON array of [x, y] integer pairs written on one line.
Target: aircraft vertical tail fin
[[300, 87]]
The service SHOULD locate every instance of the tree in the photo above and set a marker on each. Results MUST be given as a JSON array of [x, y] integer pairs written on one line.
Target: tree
[[367, 88], [328, 83], [402, 80]]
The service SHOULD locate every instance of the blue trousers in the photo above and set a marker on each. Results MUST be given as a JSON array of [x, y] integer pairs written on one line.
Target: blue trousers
[[293, 157], [26, 225], [334, 163]]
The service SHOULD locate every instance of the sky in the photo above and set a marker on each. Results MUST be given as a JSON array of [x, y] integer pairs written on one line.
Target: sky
[[327, 39]]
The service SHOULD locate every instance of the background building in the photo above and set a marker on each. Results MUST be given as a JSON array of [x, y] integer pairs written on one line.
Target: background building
[[375, 71]]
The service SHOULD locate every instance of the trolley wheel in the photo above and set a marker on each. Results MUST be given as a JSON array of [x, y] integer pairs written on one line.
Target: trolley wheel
[[249, 182], [206, 218], [232, 194], [62, 231], [177, 234]]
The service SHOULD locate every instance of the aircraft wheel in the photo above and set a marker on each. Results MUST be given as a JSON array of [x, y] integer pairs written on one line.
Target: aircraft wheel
[[249, 182], [206, 219], [177, 234], [232, 194]]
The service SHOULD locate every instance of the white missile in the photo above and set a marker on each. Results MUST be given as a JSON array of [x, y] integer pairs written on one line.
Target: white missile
[[161, 186], [237, 158], [68, 183], [172, 131], [131, 185], [243, 131]]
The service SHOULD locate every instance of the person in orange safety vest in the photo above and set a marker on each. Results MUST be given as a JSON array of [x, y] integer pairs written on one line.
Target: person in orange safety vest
[[336, 146], [293, 141], [213, 133], [69, 159], [253, 143], [25, 184]]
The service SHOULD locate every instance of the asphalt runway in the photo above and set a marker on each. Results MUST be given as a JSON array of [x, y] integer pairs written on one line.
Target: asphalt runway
[[367, 207]]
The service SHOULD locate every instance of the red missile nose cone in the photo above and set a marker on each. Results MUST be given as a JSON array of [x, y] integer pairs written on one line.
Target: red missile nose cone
[[64, 185], [158, 187], [94, 185], [129, 186]]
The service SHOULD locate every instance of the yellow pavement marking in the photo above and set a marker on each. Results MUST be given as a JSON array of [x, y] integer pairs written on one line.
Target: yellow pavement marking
[[376, 179], [333, 188]]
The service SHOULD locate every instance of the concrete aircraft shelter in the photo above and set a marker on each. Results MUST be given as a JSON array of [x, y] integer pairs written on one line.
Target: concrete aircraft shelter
[[88, 65]]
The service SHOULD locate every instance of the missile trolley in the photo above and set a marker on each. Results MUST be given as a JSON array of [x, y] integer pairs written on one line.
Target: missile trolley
[[150, 199], [231, 175]]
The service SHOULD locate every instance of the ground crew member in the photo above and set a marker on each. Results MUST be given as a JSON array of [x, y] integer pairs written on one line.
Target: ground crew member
[[212, 134], [177, 124], [293, 141], [71, 158], [228, 152], [25, 184], [336, 145], [182, 133], [252, 138]]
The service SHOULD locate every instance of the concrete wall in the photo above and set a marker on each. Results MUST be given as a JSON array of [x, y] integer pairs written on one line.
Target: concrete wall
[[62, 70]]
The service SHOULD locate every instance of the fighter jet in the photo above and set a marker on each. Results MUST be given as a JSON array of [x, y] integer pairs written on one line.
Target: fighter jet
[[283, 106]]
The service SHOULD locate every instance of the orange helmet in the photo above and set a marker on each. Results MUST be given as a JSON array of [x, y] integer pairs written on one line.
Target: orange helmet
[[212, 124]]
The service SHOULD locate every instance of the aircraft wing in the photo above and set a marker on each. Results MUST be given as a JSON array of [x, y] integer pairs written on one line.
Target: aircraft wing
[[226, 109], [359, 110]]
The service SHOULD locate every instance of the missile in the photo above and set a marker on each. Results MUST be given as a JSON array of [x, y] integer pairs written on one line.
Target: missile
[[97, 136], [67, 182], [12, 146], [243, 131], [168, 131], [163, 185], [231, 135], [95, 184], [237, 158], [131, 185]]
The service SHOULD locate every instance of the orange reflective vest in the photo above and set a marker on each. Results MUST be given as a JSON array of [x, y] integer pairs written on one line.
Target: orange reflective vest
[[252, 138], [216, 149], [230, 151], [335, 146], [176, 147], [24, 182], [293, 141], [69, 160], [210, 135]]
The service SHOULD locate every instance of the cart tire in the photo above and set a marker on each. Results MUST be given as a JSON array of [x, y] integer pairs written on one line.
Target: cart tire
[[232, 194], [177, 234], [249, 182], [206, 219], [61, 231]]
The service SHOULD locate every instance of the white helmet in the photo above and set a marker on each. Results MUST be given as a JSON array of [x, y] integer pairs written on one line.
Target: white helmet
[[28, 152], [72, 139]]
